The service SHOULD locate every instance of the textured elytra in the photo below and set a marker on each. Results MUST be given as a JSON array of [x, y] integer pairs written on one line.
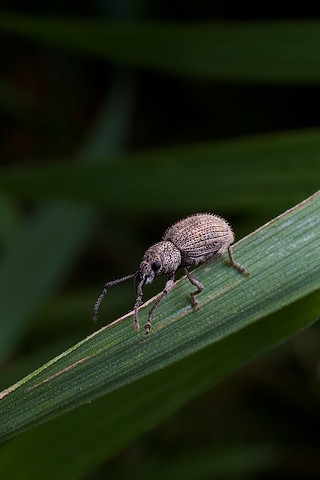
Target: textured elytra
[[200, 238], [192, 241]]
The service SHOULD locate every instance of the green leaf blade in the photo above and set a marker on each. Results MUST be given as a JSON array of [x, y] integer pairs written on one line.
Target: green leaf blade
[[111, 422], [280, 257]]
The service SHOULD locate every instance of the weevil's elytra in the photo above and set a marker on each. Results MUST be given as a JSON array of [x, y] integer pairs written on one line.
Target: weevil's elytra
[[193, 241]]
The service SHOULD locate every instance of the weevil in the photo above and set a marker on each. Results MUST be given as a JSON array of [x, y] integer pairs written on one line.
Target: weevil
[[193, 241]]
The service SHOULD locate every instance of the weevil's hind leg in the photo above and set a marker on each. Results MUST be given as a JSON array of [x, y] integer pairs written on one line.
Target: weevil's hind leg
[[165, 291], [197, 284], [235, 264]]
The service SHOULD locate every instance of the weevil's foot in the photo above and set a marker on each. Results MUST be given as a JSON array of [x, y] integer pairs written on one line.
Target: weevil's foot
[[240, 268], [147, 327], [195, 304]]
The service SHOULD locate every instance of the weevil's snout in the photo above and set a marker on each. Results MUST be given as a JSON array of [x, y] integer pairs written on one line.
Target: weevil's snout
[[145, 274], [151, 264], [140, 279], [149, 277]]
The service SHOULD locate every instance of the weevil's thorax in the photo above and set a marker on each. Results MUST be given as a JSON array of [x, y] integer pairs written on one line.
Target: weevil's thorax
[[161, 258]]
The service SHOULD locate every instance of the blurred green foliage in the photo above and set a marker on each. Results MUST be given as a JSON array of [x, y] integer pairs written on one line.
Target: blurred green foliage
[[110, 132]]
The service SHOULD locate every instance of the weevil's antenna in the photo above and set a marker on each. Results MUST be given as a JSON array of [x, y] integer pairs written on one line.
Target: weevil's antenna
[[104, 291]]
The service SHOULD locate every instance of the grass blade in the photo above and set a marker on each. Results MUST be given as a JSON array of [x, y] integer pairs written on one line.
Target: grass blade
[[99, 430], [283, 258]]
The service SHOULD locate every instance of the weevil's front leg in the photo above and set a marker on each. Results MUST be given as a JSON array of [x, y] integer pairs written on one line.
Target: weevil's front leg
[[197, 284], [165, 291], [138, 302]]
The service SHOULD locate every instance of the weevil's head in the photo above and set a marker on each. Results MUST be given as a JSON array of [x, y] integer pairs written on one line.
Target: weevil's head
[[149, 267], [161, 258]]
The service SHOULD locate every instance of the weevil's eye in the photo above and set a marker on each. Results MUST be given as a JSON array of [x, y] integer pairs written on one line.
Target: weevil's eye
[[156, 266]]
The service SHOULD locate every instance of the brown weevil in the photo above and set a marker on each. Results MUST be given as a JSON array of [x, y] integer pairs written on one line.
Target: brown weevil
[[193, 241]]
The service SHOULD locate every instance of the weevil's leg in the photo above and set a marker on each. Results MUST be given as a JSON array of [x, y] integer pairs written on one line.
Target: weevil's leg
[[235, 264], [136, 316], [137, 304], [104, 291], [197, 284], [165, 291]]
